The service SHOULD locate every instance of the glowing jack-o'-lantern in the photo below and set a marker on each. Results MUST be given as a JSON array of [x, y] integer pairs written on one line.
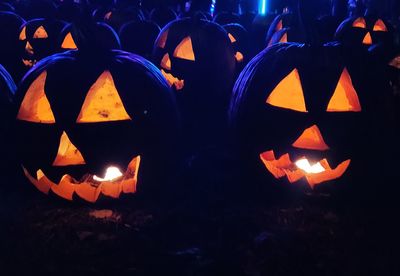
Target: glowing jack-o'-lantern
[[197, 59], [183, 53], [301, 120], [89, 130], [239, 38], [38, 38], [366, 31]]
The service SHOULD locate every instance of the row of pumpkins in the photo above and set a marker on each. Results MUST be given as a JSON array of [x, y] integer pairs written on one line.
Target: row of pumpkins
[[88, 120]]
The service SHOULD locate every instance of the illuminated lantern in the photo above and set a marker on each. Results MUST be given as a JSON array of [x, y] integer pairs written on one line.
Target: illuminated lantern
[[285, 28], [197, 59], [116, 18], [302, 120], [91, 121], [38, 39], [107, 38], [364, 31], [239, 38]]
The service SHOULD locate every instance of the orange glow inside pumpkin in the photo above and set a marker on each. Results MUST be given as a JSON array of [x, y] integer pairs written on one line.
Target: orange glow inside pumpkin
[[380, 26], [289, 93], [29, 48], [35, 106], [102, 102], [294, 171], [232, 38], [311, 138], [283, 38], [112, 173], [22, 34], [239, 56], [166, 62], [88, 189], [345, 97], [163, 39], [68, 42], [67, 153], [40, 33], [279, 26], [367, 39], [173, 81], [184, 50], [359, 23]]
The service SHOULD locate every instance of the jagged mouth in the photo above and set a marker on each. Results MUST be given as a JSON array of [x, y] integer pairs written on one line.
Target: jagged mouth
[[29, 62], [173, 81], [89, 187], [314, 174]]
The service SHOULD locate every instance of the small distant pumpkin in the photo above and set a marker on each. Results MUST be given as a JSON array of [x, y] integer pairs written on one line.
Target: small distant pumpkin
[[38, 39]]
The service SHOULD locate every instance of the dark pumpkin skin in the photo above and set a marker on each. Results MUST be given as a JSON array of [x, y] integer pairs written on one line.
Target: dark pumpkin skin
[[259, 126], [145, 95], [208, 79], [353, 36], [290, 27], [42, 47], [10, 58], [8, 165]]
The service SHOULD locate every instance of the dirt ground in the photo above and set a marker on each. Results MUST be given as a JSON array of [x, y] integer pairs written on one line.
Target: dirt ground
[[309, 234]]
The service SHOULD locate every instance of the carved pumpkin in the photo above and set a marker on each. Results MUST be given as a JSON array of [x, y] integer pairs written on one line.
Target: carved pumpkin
[[239, 38], [38, 39], [285, 28], [364, 31], [90, 121], [197, 59], [301, 119]]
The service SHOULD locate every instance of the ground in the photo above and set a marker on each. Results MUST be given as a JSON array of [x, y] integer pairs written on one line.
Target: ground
[[310, 234]]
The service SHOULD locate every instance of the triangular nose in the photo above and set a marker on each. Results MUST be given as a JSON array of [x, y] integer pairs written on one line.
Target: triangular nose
[[367, 39], [67, 153], [28, 48], [311, 138]]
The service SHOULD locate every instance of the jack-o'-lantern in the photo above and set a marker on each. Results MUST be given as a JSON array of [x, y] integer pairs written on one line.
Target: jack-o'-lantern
[[91, 121], [239, 38], [107, 38], [364, 31], [301, 119], [38, 39], [285, 28], [197, 59]]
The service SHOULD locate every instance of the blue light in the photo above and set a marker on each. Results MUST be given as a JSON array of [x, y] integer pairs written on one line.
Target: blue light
[[262, 7], [212, 7]]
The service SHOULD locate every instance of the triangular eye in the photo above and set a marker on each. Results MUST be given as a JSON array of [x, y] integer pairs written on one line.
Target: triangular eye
[[166, 62], [67, 153], [163, 40], [289, 93], [35, 106], [380, 26], [185, 50], [279, 26], [283, 38], [22, 34], [102, 102], [232, 38], [345, 98], [359, 23], [40, 33], [108, 15], [68, 42]]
